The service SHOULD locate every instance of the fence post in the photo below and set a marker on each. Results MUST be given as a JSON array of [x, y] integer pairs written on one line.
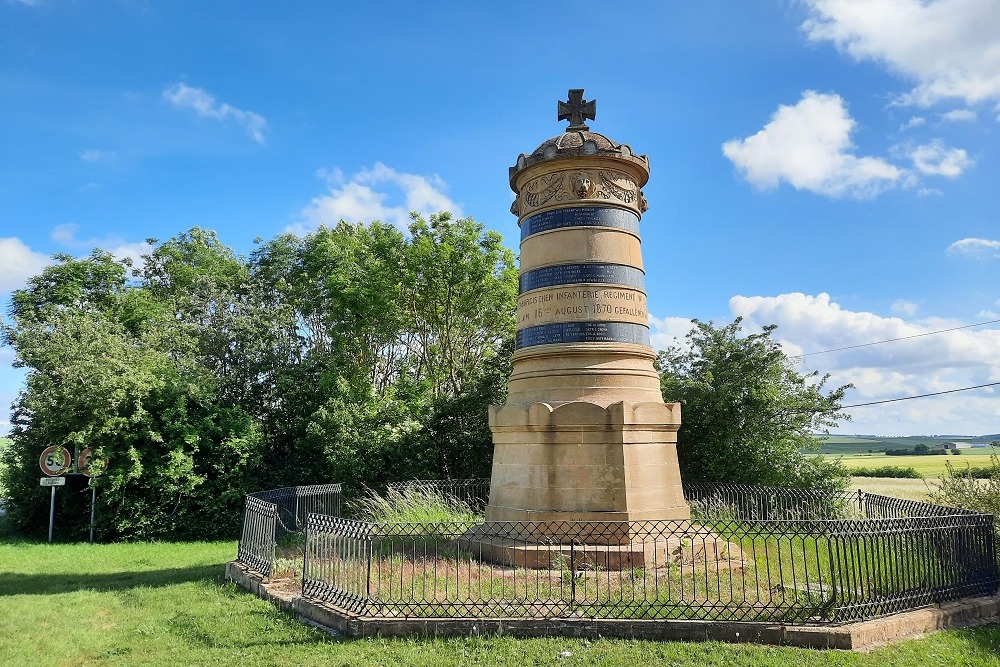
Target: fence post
[[368, 569], [830, 609], [572, 572], [305, 556]]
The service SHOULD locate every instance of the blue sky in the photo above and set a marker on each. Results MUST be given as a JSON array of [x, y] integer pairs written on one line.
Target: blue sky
[[829, 166]]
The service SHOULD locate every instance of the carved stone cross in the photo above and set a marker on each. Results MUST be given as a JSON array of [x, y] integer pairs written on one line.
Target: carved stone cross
[[577, 110]]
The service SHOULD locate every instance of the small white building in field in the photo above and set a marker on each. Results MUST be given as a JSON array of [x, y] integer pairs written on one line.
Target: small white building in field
[[959, 445]]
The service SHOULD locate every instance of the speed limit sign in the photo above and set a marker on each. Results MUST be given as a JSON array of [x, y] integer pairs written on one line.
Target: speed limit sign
[[88, 465], [55, 460]]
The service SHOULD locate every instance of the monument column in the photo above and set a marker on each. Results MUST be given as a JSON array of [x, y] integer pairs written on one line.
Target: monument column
[[585, 434]]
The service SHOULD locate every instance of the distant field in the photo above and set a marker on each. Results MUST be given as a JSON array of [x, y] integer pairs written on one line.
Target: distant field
[[928, 466], [834, 444], [910, 489]]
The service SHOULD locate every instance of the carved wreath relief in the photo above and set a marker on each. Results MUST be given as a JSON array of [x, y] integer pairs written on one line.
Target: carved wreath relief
[[580, 184]]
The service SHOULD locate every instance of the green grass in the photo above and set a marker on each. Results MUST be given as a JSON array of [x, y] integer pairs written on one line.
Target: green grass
[[164, 604]]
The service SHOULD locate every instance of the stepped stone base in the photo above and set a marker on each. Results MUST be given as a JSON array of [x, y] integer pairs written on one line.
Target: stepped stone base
[[694, 548]]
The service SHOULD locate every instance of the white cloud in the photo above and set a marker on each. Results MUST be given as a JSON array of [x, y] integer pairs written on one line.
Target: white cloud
[[929, 192], [65, 235], [972, 247], [379, 193], [904, 307], [668, 332], [936, 159], [910, 367], [205, 105], [949, 48], [809, 146], [915, 121], [18, 263], [94, 155], [959, 115]]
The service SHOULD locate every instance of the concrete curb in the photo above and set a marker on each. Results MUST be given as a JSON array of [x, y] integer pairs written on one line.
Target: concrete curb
[[858, 636]]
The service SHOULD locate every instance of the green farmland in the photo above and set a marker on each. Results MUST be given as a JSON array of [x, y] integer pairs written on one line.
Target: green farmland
[[851, 444], [928, 466]]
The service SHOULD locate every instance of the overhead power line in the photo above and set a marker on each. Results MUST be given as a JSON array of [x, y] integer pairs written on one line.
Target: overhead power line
[[892, 340], [910, 398]]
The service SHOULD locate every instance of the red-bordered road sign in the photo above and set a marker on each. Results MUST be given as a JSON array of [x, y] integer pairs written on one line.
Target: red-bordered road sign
[[55, 460], [86, 461]]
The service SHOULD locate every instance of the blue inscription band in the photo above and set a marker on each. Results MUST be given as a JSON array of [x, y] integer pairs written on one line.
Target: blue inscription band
[[567, 274], [580, 216], [582, 332]]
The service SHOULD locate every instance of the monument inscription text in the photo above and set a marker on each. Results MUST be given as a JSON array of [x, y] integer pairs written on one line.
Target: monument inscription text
[[560, 304]]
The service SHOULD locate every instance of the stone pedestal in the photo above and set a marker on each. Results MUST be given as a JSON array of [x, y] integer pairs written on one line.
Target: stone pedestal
[[580, 461]]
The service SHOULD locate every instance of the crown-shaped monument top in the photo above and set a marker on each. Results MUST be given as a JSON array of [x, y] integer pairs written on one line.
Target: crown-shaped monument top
[[577, 110]]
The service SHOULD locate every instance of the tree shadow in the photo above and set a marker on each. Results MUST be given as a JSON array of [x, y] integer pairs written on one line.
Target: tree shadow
[[986, 638], [54, 583]]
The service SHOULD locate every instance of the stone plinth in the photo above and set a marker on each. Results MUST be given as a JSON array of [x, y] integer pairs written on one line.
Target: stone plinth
[[579, 461]]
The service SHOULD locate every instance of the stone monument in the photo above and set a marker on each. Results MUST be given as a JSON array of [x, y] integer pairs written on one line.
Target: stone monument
[[585, 435]]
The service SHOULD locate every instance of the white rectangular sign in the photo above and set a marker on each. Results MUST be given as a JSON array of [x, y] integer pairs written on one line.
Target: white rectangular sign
[[52, 481]]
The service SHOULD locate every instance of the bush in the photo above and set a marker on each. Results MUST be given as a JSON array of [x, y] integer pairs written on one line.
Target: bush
[[747, 412], [919, 450], [897, 472], [962, 488], [976, 472]]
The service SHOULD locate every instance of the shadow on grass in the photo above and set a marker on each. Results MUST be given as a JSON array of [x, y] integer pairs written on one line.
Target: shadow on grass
[[985, 637], [53, 583]]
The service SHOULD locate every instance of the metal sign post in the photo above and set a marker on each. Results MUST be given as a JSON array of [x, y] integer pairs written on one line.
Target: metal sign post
[[55, 461], [89, 466], [52, 482], [93, 501]]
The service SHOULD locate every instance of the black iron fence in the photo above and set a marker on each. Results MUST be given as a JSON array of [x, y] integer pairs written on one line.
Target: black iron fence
[[749, 554], [270, 517]]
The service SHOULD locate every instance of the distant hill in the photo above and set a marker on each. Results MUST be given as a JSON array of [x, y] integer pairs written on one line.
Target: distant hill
[[860, 444]]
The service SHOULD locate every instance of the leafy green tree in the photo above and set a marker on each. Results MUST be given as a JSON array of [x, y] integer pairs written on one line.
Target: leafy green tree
[[461, 286], [455, 441], [92, 284], [746, 412], [353, 354], [111, 367], [393, 339]]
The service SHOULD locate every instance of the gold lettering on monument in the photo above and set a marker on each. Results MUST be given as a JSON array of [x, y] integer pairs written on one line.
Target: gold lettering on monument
[[559, 304]]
